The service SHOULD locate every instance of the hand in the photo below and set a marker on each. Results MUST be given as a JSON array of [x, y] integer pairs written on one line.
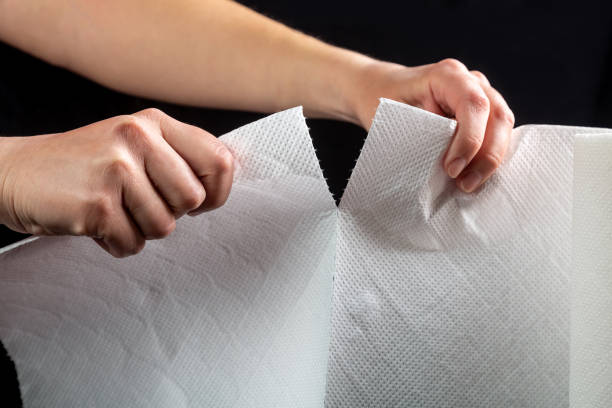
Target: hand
[[446, 88], [121, 181]]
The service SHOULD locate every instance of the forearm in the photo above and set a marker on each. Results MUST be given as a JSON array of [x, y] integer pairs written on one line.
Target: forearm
[[218, 53], [199, 52]]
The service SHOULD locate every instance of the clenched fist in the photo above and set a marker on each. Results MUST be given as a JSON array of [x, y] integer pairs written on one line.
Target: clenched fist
[[120, 181]]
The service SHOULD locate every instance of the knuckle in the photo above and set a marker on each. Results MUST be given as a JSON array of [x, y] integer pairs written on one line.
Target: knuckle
[[478, 101], [78, 228], [133, 132], [480, 76], [472, 142], [477, 73], [452, 64], [492, 159], [35, 229], [119, 165], [152, 113], [503, 114], [130, 127]]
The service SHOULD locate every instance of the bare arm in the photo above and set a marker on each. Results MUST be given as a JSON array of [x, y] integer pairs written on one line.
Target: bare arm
[[217, 53], [211, 53]]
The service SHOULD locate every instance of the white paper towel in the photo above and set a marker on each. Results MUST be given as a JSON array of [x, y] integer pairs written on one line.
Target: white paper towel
[[443, 298], [440, 298], [231, 310], [591, 340]]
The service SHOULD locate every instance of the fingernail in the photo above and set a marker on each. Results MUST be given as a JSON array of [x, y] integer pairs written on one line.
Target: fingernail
[[470, 181], [456, 167]]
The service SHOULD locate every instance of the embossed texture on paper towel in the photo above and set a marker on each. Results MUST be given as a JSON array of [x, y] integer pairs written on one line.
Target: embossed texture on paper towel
[[440, 299], [449, 299]]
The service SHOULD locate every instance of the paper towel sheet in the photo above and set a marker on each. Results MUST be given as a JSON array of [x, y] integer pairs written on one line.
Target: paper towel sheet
[[440, 298], [231, 310], [447, 299], [591, 317]]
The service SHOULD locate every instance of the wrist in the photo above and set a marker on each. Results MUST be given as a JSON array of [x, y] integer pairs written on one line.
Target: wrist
[[333, 79], [347, 81], [359, 78], [371, 80], [363, 86], [352, 86]]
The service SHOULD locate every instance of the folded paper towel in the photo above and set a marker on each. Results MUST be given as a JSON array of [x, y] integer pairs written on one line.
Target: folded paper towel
[[439, 298]]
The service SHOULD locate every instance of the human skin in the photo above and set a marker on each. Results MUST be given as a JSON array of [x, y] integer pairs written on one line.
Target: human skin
[[120, 181], [214, 53]]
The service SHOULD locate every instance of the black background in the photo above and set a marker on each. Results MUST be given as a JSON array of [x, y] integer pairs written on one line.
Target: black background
[[551, 60]]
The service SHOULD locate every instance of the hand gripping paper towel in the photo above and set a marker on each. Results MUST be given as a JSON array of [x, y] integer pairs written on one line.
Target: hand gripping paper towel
[[439, 298], [449, 299]]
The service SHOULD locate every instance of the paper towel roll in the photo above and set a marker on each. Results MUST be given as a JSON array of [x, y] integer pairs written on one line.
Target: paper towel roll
[[591, 317]]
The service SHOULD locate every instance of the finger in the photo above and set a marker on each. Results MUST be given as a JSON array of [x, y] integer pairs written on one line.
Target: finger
[[107, 222], [207, 156], [460, 94], [432, 106], [174, 179], [495, 144], [148, 209], [168, 172], [102, 244], [484, 81], [120, 236], [217, 183]]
